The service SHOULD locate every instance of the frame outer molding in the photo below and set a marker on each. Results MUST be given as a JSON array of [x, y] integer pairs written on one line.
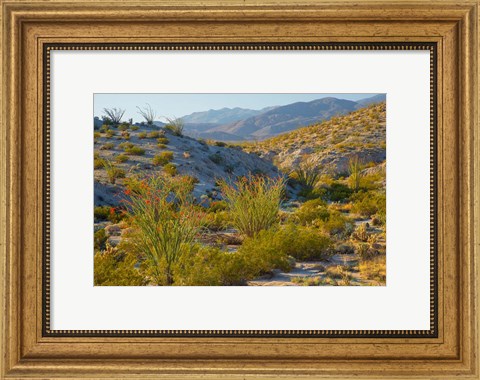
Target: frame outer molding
[[25, 353]]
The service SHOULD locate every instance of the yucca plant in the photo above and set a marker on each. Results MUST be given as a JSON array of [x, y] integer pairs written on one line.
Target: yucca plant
[[307, 173], [355, 168], [112, 171], [253, 202], [165, 219]]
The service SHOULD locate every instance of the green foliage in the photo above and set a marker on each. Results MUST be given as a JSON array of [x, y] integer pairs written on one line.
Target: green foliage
[[368, 203], [307, 173], [162, 140], [135, 151], [153, 134], [263, 253], [355, 168], [210, 266], [311, 211], [109, 213], [253, 202], [336, 224], [302, 243], [123, 127], [97, 163], [165, 220], [217, 221], [113, 172], [163, 158], [170, 169], [338, 192], [97, 135], [217, 206], [142, 135], [220, 143], [99, 239], [115, 268], [134, 127], [161, 146]]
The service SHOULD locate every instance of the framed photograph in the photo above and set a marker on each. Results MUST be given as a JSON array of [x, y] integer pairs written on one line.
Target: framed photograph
[[240, 190]]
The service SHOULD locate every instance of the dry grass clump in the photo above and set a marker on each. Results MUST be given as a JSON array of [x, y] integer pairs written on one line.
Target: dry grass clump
[[163, 158]]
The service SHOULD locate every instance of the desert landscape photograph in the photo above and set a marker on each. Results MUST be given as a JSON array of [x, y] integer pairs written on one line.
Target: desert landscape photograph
[[239, 189]]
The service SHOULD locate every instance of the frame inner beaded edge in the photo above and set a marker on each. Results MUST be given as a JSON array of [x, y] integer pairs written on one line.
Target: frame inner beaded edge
[[431, 333]]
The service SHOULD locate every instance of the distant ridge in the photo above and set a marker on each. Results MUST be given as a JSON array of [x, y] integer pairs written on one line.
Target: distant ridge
[[271, 121]]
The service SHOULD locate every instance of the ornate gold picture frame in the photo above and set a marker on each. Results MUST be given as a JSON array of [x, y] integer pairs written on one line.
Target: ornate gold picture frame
[[33, 29]]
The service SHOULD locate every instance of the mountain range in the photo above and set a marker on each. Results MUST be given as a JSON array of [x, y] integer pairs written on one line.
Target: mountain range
[[240, 124]]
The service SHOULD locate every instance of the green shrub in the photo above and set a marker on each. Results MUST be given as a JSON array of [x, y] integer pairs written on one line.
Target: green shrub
[[97, 163], [134, 127], [170, 169], [311, 211], [263, 253], [125, 135], [338, 192], [220, 143], [162, 140], [217, 221], [99, 239], [369, 203], [121, 158], [161, 146], [153, 134], [123, 127], [355, 168], [163, 158], [210, 266], [112, 214], [142, 135], [336, 224], [302, 243], [97, 135], [217, 206], [253, 202], [307, 174], [115, 268], [135, 151]]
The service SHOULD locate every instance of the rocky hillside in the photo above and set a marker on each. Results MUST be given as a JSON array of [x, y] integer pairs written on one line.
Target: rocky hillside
[[331, 144], [154, 150]]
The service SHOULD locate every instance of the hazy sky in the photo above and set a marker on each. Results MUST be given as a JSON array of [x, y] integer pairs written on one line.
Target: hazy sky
[[178, 105]]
